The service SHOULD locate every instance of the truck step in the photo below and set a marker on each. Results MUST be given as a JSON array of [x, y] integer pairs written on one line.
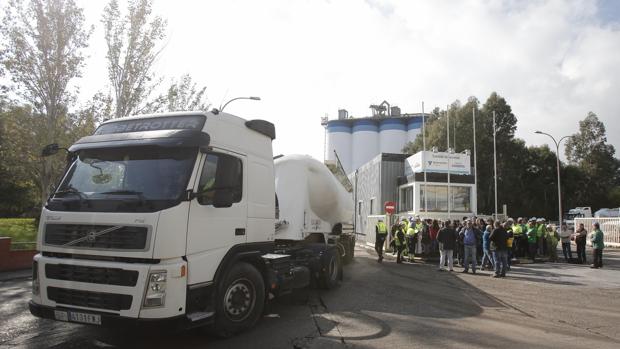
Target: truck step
[[197, 316]]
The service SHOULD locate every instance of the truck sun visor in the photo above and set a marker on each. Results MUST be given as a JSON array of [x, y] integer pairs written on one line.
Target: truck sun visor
[[165, 138], [180, 122]]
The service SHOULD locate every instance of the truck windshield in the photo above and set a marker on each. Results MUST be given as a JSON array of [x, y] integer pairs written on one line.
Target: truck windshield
[[128, 179]]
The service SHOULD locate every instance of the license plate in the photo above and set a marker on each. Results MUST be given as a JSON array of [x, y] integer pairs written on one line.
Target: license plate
[[74, 316]]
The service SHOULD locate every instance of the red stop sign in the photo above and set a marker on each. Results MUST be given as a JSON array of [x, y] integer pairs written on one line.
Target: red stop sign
[[390, 206]]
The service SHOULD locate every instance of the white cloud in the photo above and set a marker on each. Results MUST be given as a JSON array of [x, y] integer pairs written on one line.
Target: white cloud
[[552, 60]]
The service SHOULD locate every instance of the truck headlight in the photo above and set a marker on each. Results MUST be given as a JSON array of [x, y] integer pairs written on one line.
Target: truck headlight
[[36, 288], [155, 290]]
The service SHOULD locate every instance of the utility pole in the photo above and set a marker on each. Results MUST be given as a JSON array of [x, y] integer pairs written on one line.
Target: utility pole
[[495, 162], [424, 157], [473, 115], [448, 151], [557, 157]]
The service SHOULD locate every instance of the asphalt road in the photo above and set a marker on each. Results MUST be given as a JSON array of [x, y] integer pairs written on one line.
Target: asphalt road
[[550, 305]]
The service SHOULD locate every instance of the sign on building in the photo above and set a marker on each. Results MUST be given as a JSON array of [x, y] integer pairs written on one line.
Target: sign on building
[[429, 161]]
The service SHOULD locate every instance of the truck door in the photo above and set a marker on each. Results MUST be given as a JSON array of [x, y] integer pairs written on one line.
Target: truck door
[[218, 213]]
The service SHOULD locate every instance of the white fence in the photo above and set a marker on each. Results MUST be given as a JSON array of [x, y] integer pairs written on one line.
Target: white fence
[[609, 226], [370, 228]]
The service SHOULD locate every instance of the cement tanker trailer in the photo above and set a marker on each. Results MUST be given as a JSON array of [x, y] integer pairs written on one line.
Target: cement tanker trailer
[[313, 205], [183, 219]]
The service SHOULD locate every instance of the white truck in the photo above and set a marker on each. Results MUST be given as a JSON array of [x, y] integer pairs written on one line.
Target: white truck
[[186, 220], [577, 212]]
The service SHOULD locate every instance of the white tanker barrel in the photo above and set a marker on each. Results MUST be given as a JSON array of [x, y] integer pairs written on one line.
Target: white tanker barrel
[[309, 193]]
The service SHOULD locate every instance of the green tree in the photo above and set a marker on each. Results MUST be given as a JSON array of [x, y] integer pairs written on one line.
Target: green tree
[[132, 42], [44, 41], [588, 151], [461, 139]]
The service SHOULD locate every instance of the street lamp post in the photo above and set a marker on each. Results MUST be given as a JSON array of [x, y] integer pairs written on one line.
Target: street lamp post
[[234, 99], [557, 157]]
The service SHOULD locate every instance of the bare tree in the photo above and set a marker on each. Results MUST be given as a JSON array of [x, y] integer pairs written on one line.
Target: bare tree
[[132, 50], [182, 95], [42, 53]]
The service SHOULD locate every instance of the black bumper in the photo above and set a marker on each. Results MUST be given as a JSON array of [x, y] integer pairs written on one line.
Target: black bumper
[[116, 321]]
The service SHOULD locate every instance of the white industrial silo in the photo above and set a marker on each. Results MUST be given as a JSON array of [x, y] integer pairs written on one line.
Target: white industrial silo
[[392, 135], [414, 128], [339, 138], [365, 142]]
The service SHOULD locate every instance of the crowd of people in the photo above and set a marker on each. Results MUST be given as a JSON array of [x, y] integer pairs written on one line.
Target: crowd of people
[[489, 244]]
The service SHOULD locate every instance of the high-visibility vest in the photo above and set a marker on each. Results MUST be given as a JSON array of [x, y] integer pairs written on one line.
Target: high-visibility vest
[[419, 227], [397, 241], [381, 228], [410, 231], [517, 230], [531, 234], [541, 230]]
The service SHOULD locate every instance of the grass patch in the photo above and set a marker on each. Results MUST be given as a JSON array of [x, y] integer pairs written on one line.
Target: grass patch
[[20, 229]]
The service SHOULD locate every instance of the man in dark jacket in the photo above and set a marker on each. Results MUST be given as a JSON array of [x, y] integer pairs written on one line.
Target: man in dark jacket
[[499, 246], [447, 242]]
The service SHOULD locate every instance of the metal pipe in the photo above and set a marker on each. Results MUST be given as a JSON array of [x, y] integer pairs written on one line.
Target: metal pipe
[[234, 99]]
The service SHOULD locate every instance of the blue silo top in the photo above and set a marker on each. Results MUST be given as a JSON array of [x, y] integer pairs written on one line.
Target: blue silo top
[[392, 124], [365, 125], [338, 126]]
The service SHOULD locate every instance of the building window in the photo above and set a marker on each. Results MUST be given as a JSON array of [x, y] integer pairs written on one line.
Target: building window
[[406, 199], [359, 208], [461, 199], [437, 198], [372, 206]]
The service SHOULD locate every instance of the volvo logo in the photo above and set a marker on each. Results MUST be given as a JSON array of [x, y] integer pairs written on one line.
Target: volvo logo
[[91, 236]]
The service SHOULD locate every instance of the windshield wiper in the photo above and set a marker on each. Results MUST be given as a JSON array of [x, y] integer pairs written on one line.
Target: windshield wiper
[[71, 190]]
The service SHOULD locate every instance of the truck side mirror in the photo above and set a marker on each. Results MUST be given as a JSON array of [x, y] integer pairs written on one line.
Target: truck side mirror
[[49, 149], [223, 198]]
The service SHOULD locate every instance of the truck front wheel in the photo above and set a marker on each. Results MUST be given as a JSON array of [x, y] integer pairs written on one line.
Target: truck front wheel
[[240, 300]]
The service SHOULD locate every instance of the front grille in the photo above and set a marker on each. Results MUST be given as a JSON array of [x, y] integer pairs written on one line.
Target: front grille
[[94, 275], [99, 300], [94, 236]]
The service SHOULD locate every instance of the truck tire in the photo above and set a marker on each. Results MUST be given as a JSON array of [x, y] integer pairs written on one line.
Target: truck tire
[[240, 300], [331, 269]]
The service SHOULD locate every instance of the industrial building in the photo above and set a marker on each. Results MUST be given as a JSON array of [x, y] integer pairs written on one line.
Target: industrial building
[[359, 140], [400, 178], [429, 184]]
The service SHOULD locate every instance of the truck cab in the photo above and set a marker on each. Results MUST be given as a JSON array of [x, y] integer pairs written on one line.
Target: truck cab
[[161, 217]]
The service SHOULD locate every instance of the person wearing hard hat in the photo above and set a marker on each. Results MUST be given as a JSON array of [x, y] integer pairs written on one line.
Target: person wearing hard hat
[[410, 238], [518, 234], [399, 242], [380, 236], [552, 238], [532, 238]]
